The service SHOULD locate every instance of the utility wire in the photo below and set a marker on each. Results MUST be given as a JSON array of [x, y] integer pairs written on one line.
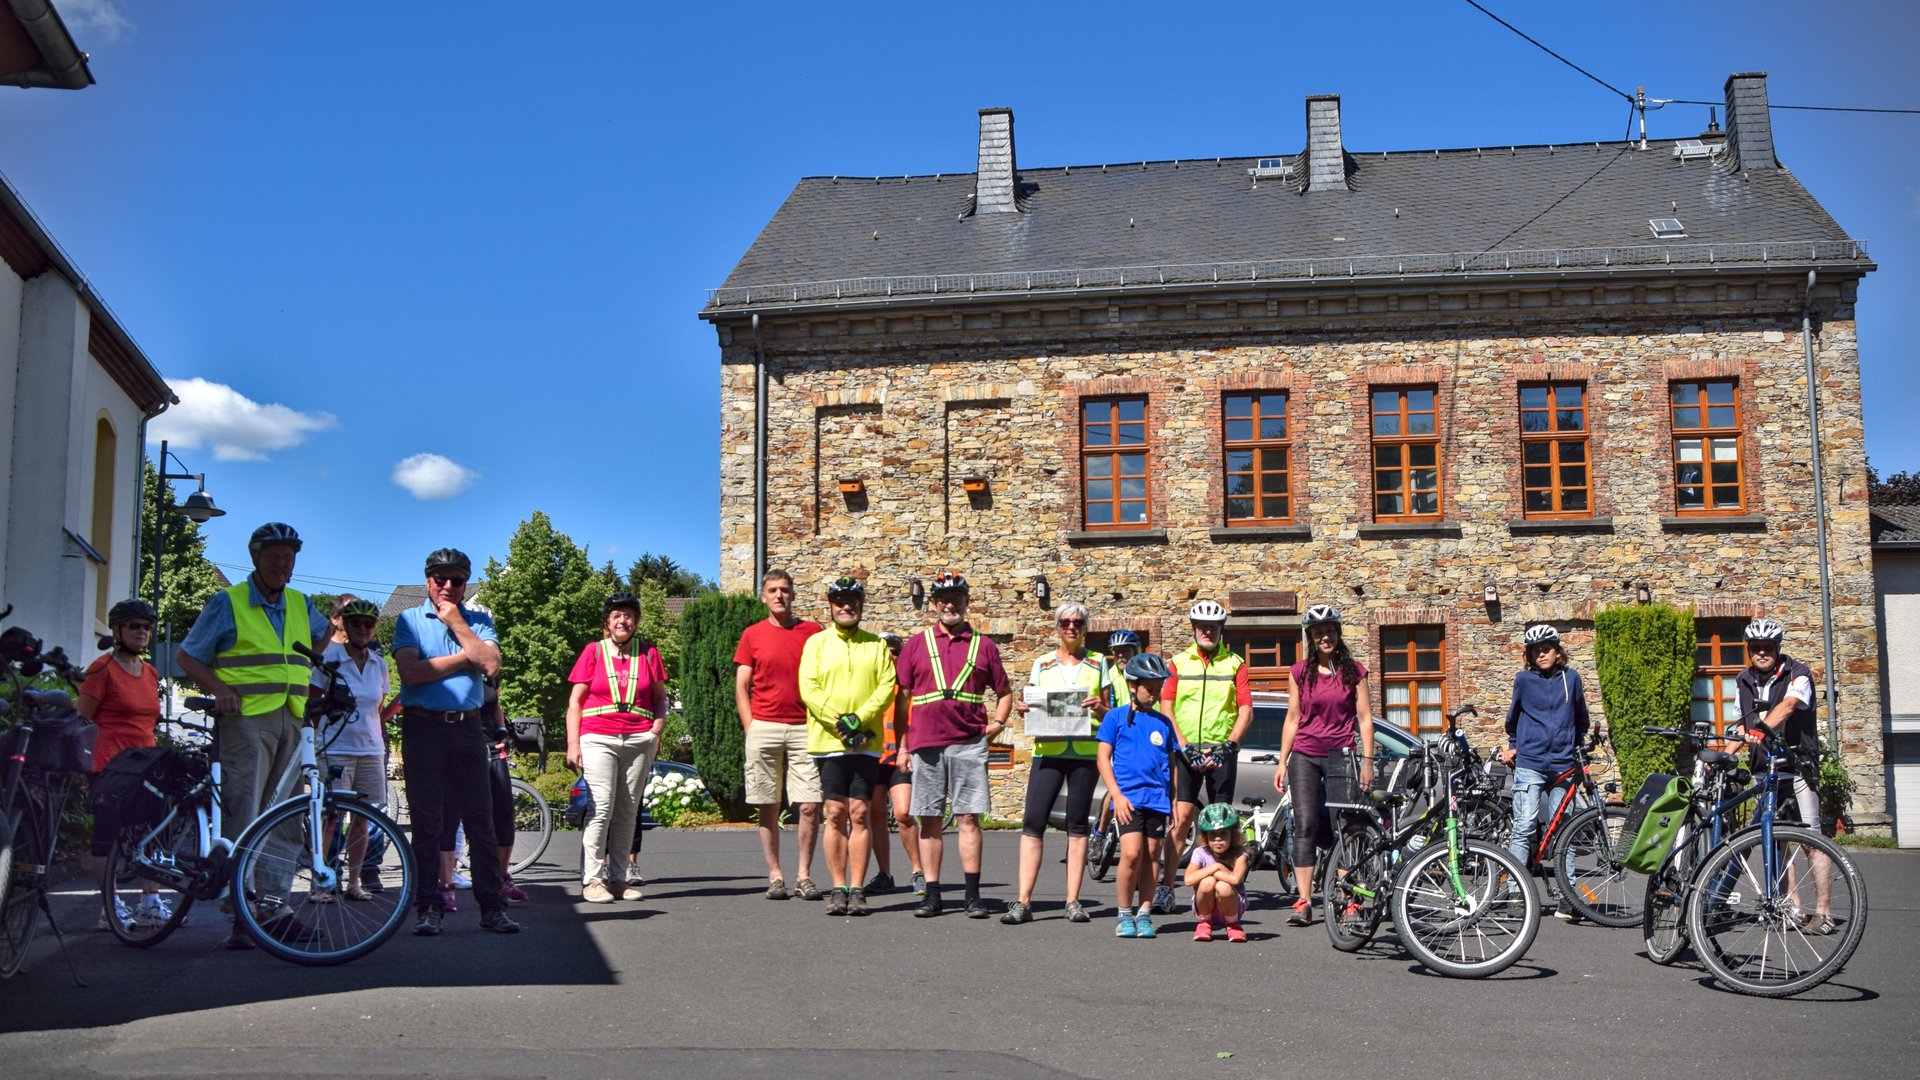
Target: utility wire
[[1536, 44], [1803, 108]]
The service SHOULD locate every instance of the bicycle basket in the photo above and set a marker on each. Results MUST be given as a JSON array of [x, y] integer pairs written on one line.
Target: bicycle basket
[[1653, 820]]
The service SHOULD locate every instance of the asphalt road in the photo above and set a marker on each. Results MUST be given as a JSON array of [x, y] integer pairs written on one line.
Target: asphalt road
[[705, 978]]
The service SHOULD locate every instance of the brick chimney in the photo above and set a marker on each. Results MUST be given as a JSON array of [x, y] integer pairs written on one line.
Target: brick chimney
[[1326, 154], [998, 180], [1749, 124]]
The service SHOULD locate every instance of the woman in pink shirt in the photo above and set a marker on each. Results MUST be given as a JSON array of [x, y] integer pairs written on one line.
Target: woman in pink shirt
[[619, 699], [1329, 707]]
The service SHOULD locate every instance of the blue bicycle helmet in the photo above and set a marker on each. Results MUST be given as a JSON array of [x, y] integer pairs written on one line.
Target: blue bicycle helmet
[[1120, 639], [1147, 667]]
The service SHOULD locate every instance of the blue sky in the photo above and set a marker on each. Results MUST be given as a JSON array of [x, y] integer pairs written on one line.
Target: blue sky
[[355, 233]]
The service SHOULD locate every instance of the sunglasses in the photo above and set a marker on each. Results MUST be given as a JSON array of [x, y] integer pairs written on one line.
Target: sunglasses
[[1072, 622], [446, 579]]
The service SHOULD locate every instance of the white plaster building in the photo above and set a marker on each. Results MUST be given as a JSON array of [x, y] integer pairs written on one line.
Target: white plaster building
[[1896, 599]]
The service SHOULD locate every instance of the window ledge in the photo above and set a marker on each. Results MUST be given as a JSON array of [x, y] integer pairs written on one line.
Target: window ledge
[[1261, 532], [1560, 525], [1376, 530], [1118, 536], [1715, 523]]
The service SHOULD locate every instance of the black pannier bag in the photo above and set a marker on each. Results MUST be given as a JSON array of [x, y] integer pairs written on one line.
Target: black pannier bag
[[135, 789]]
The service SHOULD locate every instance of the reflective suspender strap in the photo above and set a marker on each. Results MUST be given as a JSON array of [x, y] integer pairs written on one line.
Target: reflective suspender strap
[[945, 691], [625, 695]]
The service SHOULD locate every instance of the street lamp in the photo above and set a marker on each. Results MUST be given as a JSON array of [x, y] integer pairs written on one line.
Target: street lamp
[[197, 508]]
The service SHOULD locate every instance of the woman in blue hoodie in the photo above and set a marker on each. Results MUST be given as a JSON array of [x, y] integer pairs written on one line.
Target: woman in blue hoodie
[[1546, 721]]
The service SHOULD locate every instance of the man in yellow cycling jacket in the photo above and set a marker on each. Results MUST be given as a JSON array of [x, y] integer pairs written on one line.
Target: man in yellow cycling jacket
[[1211, 704], [846, 682]]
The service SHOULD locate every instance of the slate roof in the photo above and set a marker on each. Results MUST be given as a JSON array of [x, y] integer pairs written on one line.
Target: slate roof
[[1895, 526], [1490, 211]]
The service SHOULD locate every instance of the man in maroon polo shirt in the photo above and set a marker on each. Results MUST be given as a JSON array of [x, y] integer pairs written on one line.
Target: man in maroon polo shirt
[[946, 671], [766, 690]]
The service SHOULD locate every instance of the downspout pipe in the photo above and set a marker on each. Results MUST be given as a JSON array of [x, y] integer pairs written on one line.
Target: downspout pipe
[[759, 457], [1820, 512]]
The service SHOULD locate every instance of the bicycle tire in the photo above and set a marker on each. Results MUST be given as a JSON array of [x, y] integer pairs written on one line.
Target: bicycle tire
[[529, 808], [1352, 916], [286, 914], [1763, 945], [1591, 879], [19, 908], [1480, 929], [1663, 917], [1103, 850], [120, 882]]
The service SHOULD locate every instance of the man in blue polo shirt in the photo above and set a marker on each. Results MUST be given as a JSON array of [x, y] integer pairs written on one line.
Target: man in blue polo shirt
[[443, 651]]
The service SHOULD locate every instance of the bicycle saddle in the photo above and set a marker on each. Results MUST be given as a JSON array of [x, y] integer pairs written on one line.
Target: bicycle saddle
[[1715, 759], [199, 704], [1253, 801]]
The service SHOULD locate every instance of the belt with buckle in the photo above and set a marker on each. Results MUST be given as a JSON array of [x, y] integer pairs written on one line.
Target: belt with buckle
[[441, 714]]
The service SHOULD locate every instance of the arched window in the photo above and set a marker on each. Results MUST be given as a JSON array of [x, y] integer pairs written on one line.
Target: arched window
[[100, 532]]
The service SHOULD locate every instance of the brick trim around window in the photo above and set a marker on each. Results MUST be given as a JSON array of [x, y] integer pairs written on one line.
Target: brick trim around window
[[1074, 393], [1508, 430], [1744, 373]]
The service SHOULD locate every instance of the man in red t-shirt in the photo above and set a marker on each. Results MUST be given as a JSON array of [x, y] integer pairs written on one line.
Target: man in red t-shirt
[[766, 691]]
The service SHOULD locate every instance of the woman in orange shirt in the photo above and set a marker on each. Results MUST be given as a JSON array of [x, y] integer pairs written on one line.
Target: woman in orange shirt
[[121, 695]]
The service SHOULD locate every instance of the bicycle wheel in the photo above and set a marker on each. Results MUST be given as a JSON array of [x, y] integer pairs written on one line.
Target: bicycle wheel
[[19, 905], [532, 825], [1355, 886], [1663, 919], [1775, 923], [305, 917], [139, 917], [1588, 875], [1103, 850], [1466, 920]]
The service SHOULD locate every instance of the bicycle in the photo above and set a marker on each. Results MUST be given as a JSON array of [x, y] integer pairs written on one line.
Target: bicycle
[[1663, 923], [34, 784], [285, 873], [532, 817], [1460, 905], [1577, 844], [1747, 913]]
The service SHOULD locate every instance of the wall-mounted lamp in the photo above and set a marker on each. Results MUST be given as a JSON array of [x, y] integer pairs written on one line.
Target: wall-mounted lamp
[[916, 592], [1042, 591], [1493, 594], [974, 485], [851, 485], [1642, 594]]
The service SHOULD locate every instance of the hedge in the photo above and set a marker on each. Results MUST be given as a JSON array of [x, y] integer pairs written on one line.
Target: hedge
[[710, 629], [1644, 656]]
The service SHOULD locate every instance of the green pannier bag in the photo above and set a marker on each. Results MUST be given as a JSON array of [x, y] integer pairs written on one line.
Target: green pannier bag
[[1653, 820]]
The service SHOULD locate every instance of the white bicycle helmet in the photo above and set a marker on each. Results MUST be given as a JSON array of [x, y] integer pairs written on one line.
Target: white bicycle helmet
[[1542, 634], [1764, 629], [1321, 613], [1207, 611]]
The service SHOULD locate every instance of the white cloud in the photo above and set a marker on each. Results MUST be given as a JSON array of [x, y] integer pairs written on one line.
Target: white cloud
[[103, 17], [430, 476], [236, 427]]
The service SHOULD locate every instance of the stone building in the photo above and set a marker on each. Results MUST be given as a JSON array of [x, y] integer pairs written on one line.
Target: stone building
[[1453, 392]]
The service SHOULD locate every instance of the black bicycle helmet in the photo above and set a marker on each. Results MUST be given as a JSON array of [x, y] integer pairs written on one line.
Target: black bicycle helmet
[[449, 558], [949, 582], [621, 599], [1146, 667], [127, 610], [846, 587], [273, 532]]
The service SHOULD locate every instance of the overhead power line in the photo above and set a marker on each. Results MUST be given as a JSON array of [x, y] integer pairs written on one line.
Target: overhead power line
[[1809, 108], [1536, 44]]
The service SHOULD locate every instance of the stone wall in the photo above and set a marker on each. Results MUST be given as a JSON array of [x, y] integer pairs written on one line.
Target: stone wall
[[914, 406]]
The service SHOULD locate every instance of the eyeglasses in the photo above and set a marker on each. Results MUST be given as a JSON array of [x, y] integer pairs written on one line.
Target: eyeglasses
[[1065, 623], [361, 624], [446, 579]]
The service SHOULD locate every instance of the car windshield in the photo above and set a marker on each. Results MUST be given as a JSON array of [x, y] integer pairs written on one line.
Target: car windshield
[[1263, 734]]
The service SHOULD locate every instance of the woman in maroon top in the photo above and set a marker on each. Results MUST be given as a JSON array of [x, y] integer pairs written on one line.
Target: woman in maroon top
[[1330, 706]]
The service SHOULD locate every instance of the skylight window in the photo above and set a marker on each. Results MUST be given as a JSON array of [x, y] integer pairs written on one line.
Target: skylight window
[[1270, 166], [1694, 149], [1667, 228]]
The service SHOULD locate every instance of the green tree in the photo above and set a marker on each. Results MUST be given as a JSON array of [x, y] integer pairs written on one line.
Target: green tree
[[1644, 656], [546, 603], [187, 577], [675, 579], [710, 628]]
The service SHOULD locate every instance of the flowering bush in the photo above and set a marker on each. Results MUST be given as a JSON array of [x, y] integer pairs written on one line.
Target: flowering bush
[[674, 796]]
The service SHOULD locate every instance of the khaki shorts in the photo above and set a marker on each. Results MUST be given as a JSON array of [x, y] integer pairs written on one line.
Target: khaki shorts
[[364, 773], [775, 751]]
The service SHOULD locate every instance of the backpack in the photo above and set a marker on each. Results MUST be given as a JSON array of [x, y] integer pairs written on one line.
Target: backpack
[[1653, 820], [135, 789]]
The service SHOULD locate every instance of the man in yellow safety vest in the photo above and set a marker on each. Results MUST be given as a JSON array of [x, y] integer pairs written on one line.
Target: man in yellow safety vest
[[1211, 705]]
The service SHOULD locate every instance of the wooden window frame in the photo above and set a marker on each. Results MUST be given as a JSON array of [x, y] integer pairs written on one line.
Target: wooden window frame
[[1719, 639], [1406, 443], [1259, 447], [1555, 439], [1705, 433], [1285, 637], [1414, 677], [1115, 453]]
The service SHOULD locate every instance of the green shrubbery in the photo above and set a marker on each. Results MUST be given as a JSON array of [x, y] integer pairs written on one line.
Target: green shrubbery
[[710, 629], [1644, 657]]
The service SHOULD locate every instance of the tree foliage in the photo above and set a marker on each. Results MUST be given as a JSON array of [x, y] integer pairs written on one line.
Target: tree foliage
[[1644, 656], [1898, 489], [546, 602], [675, 579], [710, 628], [187, 578]]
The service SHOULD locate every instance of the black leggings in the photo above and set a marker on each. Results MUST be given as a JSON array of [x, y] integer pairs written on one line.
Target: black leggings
[[1043, 786], [1306, 779]]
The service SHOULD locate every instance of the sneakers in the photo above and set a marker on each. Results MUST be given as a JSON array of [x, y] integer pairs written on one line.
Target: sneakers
[[631, 891], [427, 925], [151, 912], [120, 911], [498, 921], [857, 902], [881, 883], [634, 880], [805, 889], [1017, 913], [1077, 912], [510, 893], [977, 909], [1564, 910], [777, 889], [595, 892], [837, 903], [461, 881], [1203, 932], [930, 907], [1142, 924], [1302, 913], [1162, 900], [1823, 925], [1235, 934], [919, 883], [1124, 926], [370, 879]]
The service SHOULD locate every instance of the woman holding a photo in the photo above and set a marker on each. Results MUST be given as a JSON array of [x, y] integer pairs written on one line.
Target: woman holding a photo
[[1061, 760]]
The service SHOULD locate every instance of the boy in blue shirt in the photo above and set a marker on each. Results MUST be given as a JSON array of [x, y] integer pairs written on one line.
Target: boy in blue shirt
[[1137, 744]]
